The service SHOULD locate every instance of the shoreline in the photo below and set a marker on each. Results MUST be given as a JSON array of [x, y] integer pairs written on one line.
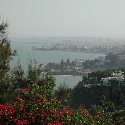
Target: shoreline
[[44, 50], [68, 74]]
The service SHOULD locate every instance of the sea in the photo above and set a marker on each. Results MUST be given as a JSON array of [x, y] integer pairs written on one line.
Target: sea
[[25, 54]]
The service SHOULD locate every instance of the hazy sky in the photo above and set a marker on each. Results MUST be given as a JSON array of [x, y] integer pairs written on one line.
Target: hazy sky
[[104, 18]]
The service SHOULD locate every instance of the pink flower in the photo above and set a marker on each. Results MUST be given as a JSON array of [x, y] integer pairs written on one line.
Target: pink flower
[[18, 97], [8, 110], [57, 123], [24, 89], [45, 101], [23, 122], [20, 122]]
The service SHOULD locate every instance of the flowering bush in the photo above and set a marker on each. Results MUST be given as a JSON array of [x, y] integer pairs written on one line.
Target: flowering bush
[[37, 106], [38, 110]]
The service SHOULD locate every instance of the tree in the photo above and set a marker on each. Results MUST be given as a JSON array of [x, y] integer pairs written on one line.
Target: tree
[[5, 57], [63, 94], [68, 62], [62, 65]]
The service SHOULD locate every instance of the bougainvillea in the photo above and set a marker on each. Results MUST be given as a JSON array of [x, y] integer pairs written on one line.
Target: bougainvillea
[[34, 106]]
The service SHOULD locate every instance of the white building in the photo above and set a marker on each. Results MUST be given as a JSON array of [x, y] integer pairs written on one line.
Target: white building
[[116, 76]]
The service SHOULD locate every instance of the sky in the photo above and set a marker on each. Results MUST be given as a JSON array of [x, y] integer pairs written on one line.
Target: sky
[[32, 18]]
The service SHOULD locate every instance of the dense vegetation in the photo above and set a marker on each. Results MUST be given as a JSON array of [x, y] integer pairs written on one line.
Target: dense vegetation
[[29, 97], [89, 91]]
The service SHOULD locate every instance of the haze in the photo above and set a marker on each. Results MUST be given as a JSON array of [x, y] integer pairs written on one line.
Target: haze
[[98, 18]]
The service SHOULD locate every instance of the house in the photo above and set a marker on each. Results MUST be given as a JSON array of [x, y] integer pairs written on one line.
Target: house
[[117, 77]]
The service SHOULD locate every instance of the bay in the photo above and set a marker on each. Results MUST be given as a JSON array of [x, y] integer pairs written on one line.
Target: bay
[[25, 54]]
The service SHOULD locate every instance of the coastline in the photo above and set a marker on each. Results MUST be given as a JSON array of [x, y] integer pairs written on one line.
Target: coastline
[[63, 50], [69, 73]]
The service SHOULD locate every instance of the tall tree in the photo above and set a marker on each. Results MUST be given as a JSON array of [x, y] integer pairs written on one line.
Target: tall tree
[[5, 57], [68, 62]]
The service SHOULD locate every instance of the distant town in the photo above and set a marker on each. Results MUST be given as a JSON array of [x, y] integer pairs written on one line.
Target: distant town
[[100, 46]]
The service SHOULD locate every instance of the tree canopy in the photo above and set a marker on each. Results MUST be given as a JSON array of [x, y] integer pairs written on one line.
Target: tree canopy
[[5, 57]]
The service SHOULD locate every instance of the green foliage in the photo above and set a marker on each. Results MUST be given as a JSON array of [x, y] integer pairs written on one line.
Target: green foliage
[[40, 83], [6, 55], [107, 105], [44, 86], [37, 110], [33, 72], [100, 74], [87, 96], [17, 73], [63, 93]]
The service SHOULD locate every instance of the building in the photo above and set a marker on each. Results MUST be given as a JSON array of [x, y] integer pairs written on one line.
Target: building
[[117, 77]]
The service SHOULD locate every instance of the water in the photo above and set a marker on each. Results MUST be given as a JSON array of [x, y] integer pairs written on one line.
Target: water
[[68, 80], [25, 53]]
